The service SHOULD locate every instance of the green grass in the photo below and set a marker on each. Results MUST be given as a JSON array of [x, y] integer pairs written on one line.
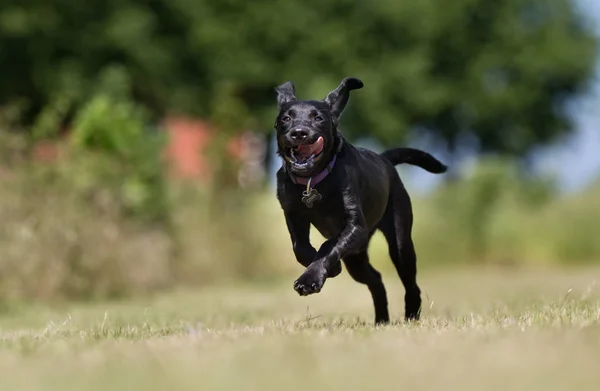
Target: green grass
[[481, 330]]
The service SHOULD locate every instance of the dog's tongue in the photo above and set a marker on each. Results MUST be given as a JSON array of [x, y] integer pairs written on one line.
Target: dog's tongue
[[305, 150]]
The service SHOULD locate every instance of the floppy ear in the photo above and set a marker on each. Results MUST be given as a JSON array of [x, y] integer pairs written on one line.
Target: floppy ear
[[338, 98], [286, 92]]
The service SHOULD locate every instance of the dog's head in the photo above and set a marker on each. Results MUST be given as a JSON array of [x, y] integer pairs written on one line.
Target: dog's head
[[307, 129]]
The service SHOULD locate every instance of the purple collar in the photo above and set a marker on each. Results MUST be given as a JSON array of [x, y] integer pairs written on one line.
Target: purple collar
[[315, 179]]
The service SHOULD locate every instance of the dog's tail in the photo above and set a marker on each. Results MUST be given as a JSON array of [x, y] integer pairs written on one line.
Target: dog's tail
[[415, 157]]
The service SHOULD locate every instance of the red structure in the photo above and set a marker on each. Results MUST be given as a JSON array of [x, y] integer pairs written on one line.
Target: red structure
[[187, 138]]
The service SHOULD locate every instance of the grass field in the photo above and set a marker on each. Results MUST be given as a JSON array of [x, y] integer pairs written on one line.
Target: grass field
[[481, 330]]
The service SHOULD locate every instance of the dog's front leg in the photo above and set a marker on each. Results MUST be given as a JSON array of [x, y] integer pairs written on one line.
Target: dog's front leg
[[299, 229], [354, 238]]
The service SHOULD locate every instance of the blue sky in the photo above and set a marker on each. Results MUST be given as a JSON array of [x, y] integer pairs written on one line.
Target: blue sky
[[578, 161], [575, 162]]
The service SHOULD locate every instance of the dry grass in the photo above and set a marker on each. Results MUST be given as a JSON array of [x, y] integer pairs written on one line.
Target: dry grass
[[484, 330]]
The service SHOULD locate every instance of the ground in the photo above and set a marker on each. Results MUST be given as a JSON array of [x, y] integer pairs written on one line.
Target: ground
[[480, 330]]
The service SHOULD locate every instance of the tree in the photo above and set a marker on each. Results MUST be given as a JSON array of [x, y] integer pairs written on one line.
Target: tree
[[499, 71]]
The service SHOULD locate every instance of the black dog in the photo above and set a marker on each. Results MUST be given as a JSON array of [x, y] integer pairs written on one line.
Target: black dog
[[346, 193]]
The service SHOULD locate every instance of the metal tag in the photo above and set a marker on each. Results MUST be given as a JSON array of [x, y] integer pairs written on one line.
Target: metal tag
[[310, 196]]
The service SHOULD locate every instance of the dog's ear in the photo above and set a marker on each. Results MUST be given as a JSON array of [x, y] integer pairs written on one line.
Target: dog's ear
[[338, 98], [286, 92]]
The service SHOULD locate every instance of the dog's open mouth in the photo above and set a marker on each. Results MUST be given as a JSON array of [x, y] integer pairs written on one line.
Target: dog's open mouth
[[305, 155]]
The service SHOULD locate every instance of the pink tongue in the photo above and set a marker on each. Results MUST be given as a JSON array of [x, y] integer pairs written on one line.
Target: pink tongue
[[305, 150]]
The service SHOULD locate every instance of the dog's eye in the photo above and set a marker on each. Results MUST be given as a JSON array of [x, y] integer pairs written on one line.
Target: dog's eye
[[318, 118], [286, 118]]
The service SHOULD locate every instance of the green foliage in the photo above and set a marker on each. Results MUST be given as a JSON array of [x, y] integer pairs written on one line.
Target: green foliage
[[498, 70], [115, 130], [64, 236], [495, 216], [48, 122], [65, 226], [482, 194]]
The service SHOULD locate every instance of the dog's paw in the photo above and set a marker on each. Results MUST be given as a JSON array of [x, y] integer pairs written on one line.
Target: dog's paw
[[311, 281]]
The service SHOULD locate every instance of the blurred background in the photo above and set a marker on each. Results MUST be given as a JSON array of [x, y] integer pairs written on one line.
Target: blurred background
[[137, 150]]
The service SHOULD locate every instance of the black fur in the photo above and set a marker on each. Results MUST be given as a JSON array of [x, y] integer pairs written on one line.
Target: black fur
[[363, 193]]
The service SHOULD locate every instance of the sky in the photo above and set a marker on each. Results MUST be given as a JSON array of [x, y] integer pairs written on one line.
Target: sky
[[574, 162], [578, 162]]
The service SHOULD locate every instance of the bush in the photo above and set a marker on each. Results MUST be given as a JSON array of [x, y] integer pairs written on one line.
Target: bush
[[59, 242], [70, 232], [128, 151], [496, 216], [95, 222]]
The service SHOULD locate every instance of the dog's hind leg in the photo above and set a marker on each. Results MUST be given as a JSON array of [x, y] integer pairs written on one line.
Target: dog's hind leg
[[361, 270], [396, 226]]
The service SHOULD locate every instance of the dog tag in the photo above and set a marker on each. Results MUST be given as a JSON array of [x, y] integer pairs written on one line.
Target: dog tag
[[310, 196]]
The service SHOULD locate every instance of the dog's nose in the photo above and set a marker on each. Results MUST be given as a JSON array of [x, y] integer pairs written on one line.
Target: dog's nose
[[298, 134]]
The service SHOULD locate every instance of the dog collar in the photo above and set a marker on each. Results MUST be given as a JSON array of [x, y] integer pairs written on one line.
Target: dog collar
[[314, 179]]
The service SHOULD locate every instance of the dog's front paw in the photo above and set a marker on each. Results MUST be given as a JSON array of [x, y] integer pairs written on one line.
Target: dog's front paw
[[311, 281]]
